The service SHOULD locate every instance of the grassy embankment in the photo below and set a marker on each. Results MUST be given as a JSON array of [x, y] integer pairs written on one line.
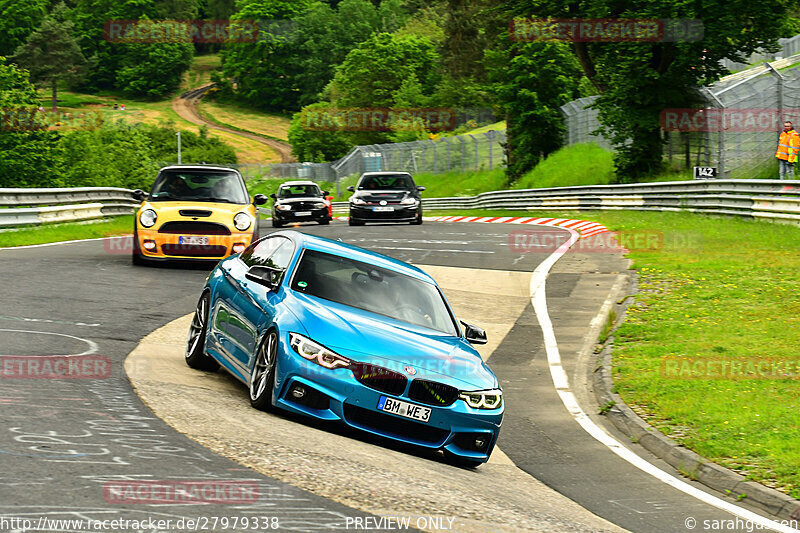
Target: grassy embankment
[[720, 289], [69, 231], [161, 111]]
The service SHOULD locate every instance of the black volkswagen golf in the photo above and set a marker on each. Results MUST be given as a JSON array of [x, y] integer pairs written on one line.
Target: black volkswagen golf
[[385, 197]]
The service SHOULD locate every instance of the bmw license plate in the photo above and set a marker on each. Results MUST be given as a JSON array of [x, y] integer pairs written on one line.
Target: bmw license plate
[[381, 208], [192, 240], [408, 410], [303, 214]]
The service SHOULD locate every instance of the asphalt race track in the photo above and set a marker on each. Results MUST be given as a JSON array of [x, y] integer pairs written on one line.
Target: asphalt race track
[[64, 442]]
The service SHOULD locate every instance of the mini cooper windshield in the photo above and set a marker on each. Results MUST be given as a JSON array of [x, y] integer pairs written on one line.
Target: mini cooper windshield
[[371, 288], [199, 186]]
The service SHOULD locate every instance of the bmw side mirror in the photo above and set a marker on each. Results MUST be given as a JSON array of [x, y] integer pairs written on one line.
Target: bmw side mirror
[[420, 188], [351, 189], [273, 196], [325, 193], [473, 334], [264, 275], [259, 199], [139, 195]]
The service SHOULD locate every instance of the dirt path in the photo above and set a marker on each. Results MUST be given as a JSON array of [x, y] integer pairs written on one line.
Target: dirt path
[[185, 106]]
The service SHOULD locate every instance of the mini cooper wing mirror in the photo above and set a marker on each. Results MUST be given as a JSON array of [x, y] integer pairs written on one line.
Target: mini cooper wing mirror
[[139, 195], [351, 189], [264, 275], [473, 334], [259, 199]]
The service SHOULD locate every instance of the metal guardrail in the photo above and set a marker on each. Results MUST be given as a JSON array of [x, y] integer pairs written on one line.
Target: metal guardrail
[[62, 204], [768, 199], [764, 199]]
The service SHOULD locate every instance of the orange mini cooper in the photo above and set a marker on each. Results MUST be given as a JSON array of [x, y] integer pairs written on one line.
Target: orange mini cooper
[[194, 213]]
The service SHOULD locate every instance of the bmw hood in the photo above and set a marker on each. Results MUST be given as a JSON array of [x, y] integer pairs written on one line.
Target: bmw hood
[[411, 350]]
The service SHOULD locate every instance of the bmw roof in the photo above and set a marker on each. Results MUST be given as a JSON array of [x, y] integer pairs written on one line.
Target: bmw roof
[[322, 244]]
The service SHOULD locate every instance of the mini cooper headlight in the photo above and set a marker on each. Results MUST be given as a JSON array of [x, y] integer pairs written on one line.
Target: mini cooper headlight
[[357, 201], [409, 201], [483, 399], [242, 221], [312, 351], [148, 218]]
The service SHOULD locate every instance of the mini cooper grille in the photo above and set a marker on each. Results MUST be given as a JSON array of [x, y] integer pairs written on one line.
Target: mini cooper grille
[[194, 250], [379, 378], [394, 426], [194, 228], [432, 393], [194, 213]]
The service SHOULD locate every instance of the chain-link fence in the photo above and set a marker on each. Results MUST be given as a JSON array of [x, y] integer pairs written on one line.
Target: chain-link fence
[[788, 47], [747, 108], [480, 151]]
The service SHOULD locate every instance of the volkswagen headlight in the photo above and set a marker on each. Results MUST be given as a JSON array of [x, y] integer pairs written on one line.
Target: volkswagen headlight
[[483, 399], [148, 218], [409, 201], [317, 353], [242, 221], [357, 201]]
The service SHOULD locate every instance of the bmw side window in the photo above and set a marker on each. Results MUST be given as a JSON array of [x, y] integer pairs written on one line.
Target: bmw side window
[[259, 253]]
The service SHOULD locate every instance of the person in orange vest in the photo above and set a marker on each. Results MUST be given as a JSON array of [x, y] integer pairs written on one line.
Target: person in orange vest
[[788, 146]]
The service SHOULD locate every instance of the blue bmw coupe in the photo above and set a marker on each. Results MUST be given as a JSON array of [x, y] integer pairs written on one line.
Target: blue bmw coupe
[[339, 333]]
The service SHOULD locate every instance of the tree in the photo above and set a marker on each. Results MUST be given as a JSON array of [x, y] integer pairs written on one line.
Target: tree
[[18, 18], [152, 69], [31, 155], [51, 54], [374, 71], [316, 146], [637, 80], [531, 82]]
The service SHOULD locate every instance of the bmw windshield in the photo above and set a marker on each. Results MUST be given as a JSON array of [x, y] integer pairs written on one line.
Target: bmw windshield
[[371, 288], [199, 186]]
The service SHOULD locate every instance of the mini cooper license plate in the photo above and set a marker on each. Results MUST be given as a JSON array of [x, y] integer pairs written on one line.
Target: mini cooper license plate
[[408, 410], [381, 208], [303, 214], [192, 240]]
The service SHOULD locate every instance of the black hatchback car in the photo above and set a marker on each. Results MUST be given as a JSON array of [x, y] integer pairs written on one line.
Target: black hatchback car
[[300, 201], [385, 197]]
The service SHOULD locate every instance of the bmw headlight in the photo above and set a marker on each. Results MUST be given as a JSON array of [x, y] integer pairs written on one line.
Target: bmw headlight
[[320, 205], [283, 207], [317, 353], [242, 221], [148, 218], [409, 201], [483, 399], [357, 201]]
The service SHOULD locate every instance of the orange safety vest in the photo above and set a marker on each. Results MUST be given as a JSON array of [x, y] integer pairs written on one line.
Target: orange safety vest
[[788, 146]]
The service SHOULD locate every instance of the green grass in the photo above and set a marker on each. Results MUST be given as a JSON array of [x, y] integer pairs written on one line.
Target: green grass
[[720, 287], [66, 232], [578, 164]]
